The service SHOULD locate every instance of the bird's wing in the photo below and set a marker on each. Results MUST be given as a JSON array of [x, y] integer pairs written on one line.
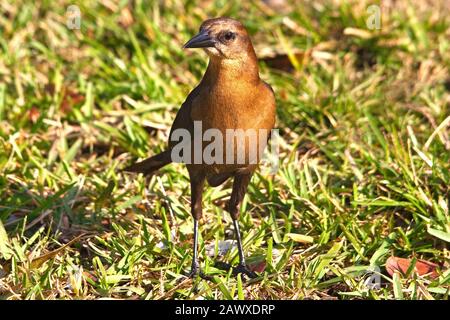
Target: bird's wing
[[269, 87], [183, 118]]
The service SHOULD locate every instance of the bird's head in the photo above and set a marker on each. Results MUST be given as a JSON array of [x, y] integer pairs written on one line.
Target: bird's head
[[224, 39]]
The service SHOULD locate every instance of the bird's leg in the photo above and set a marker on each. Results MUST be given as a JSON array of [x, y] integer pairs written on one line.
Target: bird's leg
[[195, 265], [242, 267], [196, 210], [240, 185]]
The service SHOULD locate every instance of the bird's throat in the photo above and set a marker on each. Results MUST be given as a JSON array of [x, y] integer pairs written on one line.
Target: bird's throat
[[232, 71]]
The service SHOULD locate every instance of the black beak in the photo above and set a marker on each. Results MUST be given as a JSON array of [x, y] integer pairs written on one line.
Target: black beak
[[201, 40]]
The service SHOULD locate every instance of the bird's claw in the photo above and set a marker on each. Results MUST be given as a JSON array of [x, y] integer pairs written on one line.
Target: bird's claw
[[196, 271], [241, 268], [192, 274]]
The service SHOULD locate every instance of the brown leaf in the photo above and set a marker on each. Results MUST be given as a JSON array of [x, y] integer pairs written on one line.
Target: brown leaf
[[89, 275], [106, 222], [36, 263], [401, 265], [257, 266], [70, 99], [126, 17], [50, 88], [34, 114]]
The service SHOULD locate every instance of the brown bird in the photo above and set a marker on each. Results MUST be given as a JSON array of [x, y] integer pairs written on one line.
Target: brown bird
[[231, 95]]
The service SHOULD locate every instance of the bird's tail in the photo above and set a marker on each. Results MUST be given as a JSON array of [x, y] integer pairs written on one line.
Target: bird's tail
[[152, 164]]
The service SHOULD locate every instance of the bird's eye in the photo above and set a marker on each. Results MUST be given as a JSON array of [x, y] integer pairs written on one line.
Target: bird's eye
[[228, 36]]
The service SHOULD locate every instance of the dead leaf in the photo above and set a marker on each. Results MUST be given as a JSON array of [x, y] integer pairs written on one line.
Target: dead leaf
[[36, 263], [34, 114], [401, 265], [89, 275], [300, 238], [359, 33], [126, 17], [291, 24], [70, 99], [257, 266]]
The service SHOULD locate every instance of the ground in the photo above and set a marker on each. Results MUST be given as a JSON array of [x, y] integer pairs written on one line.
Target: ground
[[363, 115]]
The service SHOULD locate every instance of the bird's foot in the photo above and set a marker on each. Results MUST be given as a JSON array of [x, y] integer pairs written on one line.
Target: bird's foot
[[196, 271], [242, 268], [192, 274]]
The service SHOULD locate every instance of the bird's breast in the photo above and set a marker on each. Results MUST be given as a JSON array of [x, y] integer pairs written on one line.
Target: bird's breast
[[231, 107], [243, 117]]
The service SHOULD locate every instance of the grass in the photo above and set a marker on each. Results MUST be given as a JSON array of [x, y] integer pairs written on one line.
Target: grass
[[364, 160]]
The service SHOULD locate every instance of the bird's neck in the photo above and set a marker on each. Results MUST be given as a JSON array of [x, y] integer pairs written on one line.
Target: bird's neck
[[227, 71]]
